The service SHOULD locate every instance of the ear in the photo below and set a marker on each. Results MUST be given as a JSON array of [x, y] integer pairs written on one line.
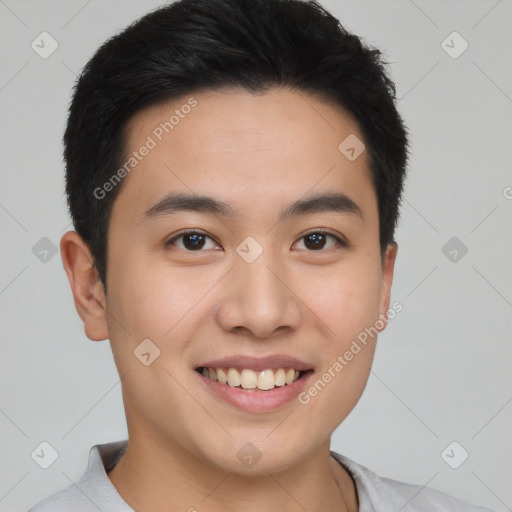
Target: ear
[[86, 286], [388, 266]]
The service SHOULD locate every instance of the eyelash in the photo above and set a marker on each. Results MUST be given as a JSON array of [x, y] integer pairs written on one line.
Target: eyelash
[[340, 241]]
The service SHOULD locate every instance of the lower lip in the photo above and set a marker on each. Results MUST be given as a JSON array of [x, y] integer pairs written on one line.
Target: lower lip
[[257, 401]]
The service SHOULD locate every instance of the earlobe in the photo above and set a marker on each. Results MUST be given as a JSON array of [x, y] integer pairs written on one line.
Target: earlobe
[[387, 280], [87, 288]]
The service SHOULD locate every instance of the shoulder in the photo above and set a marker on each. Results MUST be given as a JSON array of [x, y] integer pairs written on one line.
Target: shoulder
[[70, 498], [385, 494], [418, 498], [93, 491]]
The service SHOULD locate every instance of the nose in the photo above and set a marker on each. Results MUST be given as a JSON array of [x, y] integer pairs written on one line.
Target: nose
[[258, 300]]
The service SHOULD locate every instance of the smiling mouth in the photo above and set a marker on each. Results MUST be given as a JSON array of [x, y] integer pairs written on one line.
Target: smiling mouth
[[250, 380]]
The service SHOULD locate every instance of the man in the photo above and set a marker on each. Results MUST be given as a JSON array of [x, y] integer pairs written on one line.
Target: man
[[234, 174]]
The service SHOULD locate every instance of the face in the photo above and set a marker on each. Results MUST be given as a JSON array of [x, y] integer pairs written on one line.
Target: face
[[255, 279]]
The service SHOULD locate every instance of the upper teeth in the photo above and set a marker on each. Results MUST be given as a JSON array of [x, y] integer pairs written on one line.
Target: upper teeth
[[249, 379]]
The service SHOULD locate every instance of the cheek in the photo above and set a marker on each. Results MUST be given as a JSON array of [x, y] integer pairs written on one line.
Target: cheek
[[156, 304], [156, 301], [346, 305], [349, 305], [345, 300]]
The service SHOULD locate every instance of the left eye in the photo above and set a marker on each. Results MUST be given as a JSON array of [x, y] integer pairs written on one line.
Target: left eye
[[194, 241], [317, 240]]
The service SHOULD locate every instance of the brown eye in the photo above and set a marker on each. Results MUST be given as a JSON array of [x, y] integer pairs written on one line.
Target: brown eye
[[318, 240], [192, 241], [315, 241]]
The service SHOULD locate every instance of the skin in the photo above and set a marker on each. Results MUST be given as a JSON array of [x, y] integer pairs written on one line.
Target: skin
[[258, 153]]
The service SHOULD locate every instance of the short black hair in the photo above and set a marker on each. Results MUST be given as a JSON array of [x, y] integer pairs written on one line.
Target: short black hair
[[194, 45]]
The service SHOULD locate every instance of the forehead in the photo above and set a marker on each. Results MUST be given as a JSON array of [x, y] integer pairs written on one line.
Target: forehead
[[249, 150]]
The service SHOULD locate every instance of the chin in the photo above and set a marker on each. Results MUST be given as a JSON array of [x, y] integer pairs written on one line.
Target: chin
[[258, 456]]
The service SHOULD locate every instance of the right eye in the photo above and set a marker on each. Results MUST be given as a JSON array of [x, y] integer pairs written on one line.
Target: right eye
[[193, 240]]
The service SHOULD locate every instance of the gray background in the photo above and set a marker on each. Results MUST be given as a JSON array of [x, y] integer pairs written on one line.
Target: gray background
[[442, 367]]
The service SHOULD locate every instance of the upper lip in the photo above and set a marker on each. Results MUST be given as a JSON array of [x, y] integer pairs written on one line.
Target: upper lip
[[257, 364]]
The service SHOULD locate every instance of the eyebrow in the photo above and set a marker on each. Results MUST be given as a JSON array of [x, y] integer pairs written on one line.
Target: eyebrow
[[327, 202]]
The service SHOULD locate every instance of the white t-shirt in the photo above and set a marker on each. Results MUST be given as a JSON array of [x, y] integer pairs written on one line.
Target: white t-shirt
[[94, 490]]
